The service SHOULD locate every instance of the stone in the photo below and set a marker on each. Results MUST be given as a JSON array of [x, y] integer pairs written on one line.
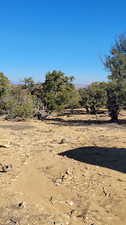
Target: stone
[[4, 146], [58, 181], [69, 171], [41, 115], [20, 204], [65, 140], [70, 202], [5, 167]]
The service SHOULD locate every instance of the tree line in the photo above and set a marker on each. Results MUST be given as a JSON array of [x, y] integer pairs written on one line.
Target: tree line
[[57, 92]]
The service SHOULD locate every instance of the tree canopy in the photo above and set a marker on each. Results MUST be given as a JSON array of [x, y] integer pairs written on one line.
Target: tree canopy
[[115, 63], [93, 97], [58, 89], [4, 84]]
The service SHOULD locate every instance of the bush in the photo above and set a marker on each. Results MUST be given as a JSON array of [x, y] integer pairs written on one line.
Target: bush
[[24, 111], [20, 104]]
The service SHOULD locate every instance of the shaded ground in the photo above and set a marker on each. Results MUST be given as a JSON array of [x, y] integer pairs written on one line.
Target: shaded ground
[[81, 181], [113, 158]]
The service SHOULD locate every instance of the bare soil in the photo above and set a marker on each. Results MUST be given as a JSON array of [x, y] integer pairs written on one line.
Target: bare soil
[[65, 171]]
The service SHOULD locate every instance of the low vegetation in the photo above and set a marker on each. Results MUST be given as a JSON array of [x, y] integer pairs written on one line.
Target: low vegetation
[[58, 92]]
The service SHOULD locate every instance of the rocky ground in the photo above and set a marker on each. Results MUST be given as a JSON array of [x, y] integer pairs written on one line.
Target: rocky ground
[[63, 171]]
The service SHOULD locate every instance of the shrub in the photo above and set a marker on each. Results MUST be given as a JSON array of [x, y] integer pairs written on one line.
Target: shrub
[[19, 104]]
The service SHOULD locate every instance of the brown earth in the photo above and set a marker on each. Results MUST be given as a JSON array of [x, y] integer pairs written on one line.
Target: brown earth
[[65, 171]]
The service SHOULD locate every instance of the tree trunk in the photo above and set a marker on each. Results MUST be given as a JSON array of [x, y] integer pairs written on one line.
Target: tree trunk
[[114, 115], [113, 104], [87, 109], [93, 110]]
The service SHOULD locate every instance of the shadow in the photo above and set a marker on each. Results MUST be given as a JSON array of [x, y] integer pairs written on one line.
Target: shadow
[[1, 171], [72, 122], [112, 158], [73, 112], [80, 112], [3, 146]]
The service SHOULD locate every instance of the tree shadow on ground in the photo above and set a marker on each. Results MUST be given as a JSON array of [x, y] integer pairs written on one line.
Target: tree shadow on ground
[[81, 112], [72, 122], [112, 158]]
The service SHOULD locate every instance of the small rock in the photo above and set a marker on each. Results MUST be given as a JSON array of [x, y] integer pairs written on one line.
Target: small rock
[[58, 181], [60, 223], [5, 167], [18, 119], [13, 220], [20, 204], [65, 176], [65, 140], [70, 203], [69, 171], [41, 114], [4, 146]]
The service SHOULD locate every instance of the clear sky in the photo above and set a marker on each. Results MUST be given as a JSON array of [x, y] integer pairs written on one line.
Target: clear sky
[[37, 36]]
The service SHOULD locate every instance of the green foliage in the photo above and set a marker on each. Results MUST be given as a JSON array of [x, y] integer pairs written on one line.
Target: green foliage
[[28, 82], [116, 98], [55, 94], [93, 97], [4, 91], [4, 84], [116, 65], [73, 99], [38, 95], [19, 103], [23, 111], [58, 91], [113, 101], [84, 98]]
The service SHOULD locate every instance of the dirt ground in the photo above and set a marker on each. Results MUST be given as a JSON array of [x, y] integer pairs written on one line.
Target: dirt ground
[[63, 171]]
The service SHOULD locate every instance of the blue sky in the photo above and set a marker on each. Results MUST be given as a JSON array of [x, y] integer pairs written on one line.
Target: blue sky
[[37, 36]]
